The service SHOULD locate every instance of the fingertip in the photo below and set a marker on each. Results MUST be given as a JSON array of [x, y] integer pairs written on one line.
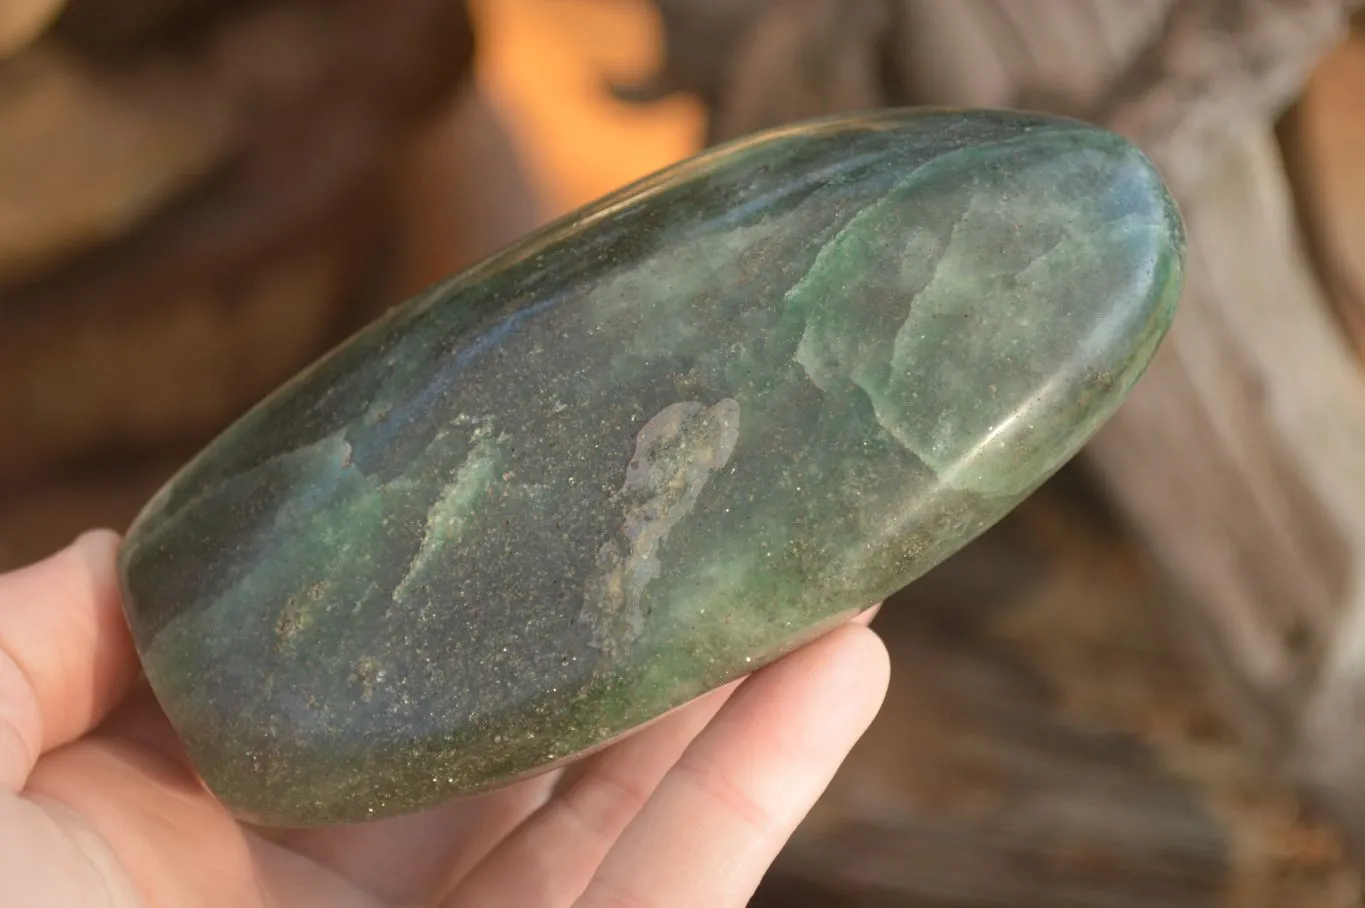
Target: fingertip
[[82, 576], [743, 785], [100, 540], [91, 595], [98, 551], [865, 618], [867, 650], [62, 627], [855, 670]]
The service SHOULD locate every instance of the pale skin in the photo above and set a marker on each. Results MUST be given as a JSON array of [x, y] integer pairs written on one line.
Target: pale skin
[[99, 807]]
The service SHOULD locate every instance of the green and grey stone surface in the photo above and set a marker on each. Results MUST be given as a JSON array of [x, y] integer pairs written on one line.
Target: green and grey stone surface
[[643, 452]]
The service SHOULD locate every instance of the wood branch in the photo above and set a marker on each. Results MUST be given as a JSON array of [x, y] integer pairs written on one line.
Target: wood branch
[[1058, 56], [127, 372], [86, 158], [700, 41], [462, 193], [817, 55], [298, 96], [762, 62], [128, 28], [1043, 744], [22, 21], [1175, 77], [1238, 457], [176, 326], [1217, 68], [1324, 141], [147, 383], [1259, 516]]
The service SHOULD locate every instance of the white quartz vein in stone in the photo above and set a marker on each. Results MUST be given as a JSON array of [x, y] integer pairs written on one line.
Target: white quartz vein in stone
[[449, 515], [676, 453]]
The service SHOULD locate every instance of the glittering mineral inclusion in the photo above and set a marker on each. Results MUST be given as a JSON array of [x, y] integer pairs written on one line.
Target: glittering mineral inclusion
[[642, 452]]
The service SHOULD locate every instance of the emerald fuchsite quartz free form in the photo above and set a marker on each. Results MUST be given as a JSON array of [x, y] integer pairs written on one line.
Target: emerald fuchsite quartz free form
[[643, 452]]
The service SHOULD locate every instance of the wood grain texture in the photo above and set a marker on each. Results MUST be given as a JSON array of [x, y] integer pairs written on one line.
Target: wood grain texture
[[1217, 68], [1044, 744], [113, 403], [1237, 459], [87, 157], [201, 306], [759, 63], [132, 370], [301, 97], [1324, 141], [1059, 55]]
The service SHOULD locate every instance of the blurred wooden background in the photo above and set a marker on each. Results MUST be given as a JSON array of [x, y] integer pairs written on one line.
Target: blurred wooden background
[[1141, 690], [152, 289]]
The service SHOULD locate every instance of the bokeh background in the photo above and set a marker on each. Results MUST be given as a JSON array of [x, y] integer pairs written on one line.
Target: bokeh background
[[1140, 691]]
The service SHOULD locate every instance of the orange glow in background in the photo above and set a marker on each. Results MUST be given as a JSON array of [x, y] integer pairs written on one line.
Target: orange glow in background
[[546, 65]]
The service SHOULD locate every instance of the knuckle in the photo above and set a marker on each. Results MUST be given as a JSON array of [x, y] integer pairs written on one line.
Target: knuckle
[[731, 797]]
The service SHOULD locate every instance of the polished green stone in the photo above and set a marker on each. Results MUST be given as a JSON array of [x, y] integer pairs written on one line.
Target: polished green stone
[[643, 452]]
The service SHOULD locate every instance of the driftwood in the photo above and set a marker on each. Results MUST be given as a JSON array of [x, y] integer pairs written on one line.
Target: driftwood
[[1324, 141], [760, 63], [131, 28], [22, 21], [301, 97], [1238, 458], [460, 194], [1216, 69], [39, 518], [86, 157], [197, 198], [1043, 745], [246, 232], [116, 391], [455, 194]]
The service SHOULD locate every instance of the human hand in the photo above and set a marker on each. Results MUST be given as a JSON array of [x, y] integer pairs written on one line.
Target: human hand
[[100, 807]]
